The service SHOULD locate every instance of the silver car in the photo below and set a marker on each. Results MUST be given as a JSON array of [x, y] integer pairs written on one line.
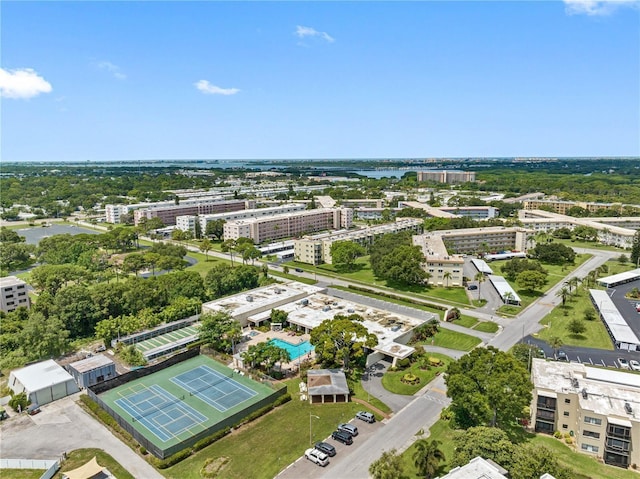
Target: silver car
[[624, 364], [635, 365], [348, 428]]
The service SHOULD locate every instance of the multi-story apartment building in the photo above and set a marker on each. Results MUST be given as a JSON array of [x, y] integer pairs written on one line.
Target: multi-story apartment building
[[317, 249], [288, 225], [114, 213], [474, 240], [447, 176], [562, 207], [611, 231], [444, 269], [475, 212], [13, 294], [188, 222], [168, 214], [600, 408]]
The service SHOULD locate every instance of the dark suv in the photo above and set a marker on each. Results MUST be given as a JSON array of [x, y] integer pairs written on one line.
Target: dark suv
[[343, 437], [327, 448]]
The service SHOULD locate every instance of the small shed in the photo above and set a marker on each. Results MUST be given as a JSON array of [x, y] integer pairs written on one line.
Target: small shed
[[43, 382], [93, 370], [327, 386]]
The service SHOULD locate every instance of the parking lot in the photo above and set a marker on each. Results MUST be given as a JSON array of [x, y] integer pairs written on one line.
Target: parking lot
[[305, 468]]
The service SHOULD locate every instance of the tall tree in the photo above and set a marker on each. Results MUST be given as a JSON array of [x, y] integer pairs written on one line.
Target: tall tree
[[427, 457], [488, 387], [388, 466], [220, 331], [531, 280], [215, 229], [44, 337], [487, 442], [205, 247], [342, 340], [480, 278], [345, 253]]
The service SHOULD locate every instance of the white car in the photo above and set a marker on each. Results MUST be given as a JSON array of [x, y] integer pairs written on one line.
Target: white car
[[624, 364], [319, 457], [635, 365]]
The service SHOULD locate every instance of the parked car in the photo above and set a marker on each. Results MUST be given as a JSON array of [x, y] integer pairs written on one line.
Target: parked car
[[562, 356], [33, 409], [299, 270], [317, 457], [624, 364], [348, 428], [343, 437], [471, 287], [635, 365], [541, 353], [366, 416], [327, 448]]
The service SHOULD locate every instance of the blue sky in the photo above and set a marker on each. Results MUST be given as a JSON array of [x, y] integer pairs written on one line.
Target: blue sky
[[93, 81]]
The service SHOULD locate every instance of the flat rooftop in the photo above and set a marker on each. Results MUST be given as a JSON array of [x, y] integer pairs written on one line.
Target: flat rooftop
[[42, 375], [607, 390], [89, 364]]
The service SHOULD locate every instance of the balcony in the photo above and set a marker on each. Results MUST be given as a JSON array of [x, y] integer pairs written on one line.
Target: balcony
[[545, 415]]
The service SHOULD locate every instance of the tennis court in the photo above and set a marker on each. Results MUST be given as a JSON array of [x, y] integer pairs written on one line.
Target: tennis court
[[180, 404], [166, 338], [214, 388], [160, 411]]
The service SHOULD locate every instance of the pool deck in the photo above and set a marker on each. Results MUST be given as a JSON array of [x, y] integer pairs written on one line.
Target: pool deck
[[284, 336]]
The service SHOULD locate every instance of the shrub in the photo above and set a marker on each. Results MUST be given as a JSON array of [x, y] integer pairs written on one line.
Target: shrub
[[403, 363], [202, 443], [173, 459], [143, 450], [557, 435], [19, 401]]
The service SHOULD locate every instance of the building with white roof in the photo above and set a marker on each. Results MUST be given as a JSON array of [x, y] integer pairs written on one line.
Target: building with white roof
[[600, 408], [477, 468], [307, 307], [620, 278], [504, 289], [481, 266], [43, 382], [622, 335]]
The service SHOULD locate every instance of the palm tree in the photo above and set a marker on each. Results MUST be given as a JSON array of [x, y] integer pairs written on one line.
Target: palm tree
[[479, 277], [446, 276], [205, 247], [564, 294], [573, 284], [427, 457], [556, 343]]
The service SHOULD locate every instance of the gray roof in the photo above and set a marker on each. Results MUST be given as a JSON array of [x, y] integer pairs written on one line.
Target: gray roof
[[337, 384], [89, 364]]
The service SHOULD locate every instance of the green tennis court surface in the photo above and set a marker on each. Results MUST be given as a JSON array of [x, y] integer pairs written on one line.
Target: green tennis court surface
[[166, 338], [176, 403]]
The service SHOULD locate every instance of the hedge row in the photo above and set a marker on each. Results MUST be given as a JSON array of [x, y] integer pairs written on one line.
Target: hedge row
[[399, 298]]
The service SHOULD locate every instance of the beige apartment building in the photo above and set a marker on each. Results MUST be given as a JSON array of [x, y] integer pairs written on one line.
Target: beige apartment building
[[495, 238], [317, 249], [444, 269], [168, 214], [288, 225], [447, 176], [562, 207], [13, 294], [599, 408]]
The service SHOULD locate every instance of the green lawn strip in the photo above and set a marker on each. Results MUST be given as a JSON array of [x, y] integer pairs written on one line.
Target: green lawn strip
[[486, 327], [589, 245], [272, 441], [22, 473], [445, 338], [435, 311], [359, 392], [616, 267], [292, 277], [582, 463], [556, 322], [362, 273], [79, 457], [392, 379], [466, 321], [579, 463]]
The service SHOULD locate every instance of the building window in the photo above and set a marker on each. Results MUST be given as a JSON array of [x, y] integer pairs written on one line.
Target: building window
[[591, 434], [564, 426], [589, 448], [565, 413], [567, 401], [593, 420]]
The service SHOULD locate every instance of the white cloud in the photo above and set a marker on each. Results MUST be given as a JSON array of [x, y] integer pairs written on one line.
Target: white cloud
[[22, 83], [207, 88], [111, 68], [303, 32], [597, 7]]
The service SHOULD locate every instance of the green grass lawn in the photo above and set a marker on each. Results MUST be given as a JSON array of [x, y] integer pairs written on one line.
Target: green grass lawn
[[445, 338], [274, 440], [583, 465], [360, 393], [486, 326], [22, 473], [556, 322], [589, 245], [465, 321], [81, 456], [392, 379]]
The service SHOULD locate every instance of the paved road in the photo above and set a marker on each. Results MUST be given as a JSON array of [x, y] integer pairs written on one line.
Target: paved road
[[63, 426], [589, 356]]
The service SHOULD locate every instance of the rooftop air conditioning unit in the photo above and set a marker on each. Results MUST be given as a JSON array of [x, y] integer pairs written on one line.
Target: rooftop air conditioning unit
[[628, 408], [585, 395], [249, 299]]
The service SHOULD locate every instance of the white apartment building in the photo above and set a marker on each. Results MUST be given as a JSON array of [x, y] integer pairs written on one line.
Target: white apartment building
[[444, 269], [188, 222], [13, 294], [288, 225], [494, 238], [317, 249], [600, 408], [447, 176], [114, 213]]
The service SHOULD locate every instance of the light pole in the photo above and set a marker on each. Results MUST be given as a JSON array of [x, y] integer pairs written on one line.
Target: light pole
[[310, 434]]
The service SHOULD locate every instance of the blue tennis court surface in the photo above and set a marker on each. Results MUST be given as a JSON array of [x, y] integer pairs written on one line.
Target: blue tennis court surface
[[163, 414], [214, 388]]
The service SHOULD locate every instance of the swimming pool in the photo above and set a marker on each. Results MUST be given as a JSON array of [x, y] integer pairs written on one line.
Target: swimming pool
[[295, 350]]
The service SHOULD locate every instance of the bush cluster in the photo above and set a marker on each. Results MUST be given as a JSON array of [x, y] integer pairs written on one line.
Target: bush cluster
[[399, 298]]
